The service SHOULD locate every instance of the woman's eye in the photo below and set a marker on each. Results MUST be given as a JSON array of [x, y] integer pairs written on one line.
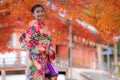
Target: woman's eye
[[40, 11], [37, 11]]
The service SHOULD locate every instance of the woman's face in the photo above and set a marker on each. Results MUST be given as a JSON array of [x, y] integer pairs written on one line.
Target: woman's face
[[39, 14]]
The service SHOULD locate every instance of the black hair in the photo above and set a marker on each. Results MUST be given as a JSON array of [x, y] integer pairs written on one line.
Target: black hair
[[36, 6]]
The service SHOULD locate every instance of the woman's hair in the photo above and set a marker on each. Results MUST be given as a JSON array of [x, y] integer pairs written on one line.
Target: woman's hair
[[36, 6]]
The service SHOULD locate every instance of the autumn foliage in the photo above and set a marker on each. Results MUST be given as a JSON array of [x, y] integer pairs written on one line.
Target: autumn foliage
[[104, 15]]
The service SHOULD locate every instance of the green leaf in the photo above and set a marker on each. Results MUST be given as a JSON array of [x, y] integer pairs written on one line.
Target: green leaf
[[86, 11]]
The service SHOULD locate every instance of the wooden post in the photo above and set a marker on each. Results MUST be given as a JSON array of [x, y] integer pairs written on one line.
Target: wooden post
[[115, 58], [3, 73], [99, 56], [68, 22], [108, 62]]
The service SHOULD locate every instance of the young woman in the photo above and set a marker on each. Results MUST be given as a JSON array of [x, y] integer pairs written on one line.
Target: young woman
[[37, 40]]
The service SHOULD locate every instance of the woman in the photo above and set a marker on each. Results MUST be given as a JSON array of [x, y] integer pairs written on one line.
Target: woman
[[37, 40]]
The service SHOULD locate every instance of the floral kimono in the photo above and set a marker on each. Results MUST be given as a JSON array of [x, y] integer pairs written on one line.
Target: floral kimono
[[36, 40]]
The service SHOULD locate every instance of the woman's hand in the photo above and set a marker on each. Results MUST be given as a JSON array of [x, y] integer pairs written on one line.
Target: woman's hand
[[47, 51], [50, 52]]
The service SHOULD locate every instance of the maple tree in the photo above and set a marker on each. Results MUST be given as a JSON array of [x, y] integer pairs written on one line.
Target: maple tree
[[104, 15]]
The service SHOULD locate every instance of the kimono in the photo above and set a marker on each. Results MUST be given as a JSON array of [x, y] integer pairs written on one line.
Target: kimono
[[36, 40]]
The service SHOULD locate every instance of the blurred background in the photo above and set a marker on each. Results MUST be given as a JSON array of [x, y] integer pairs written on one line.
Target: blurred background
[[85, 34]]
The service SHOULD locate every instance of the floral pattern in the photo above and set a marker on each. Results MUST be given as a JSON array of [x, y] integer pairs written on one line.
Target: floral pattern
[[36, 40]]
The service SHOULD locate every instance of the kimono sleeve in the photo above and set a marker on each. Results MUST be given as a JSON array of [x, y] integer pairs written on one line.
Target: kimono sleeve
[[25, 38], [22, 40]]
